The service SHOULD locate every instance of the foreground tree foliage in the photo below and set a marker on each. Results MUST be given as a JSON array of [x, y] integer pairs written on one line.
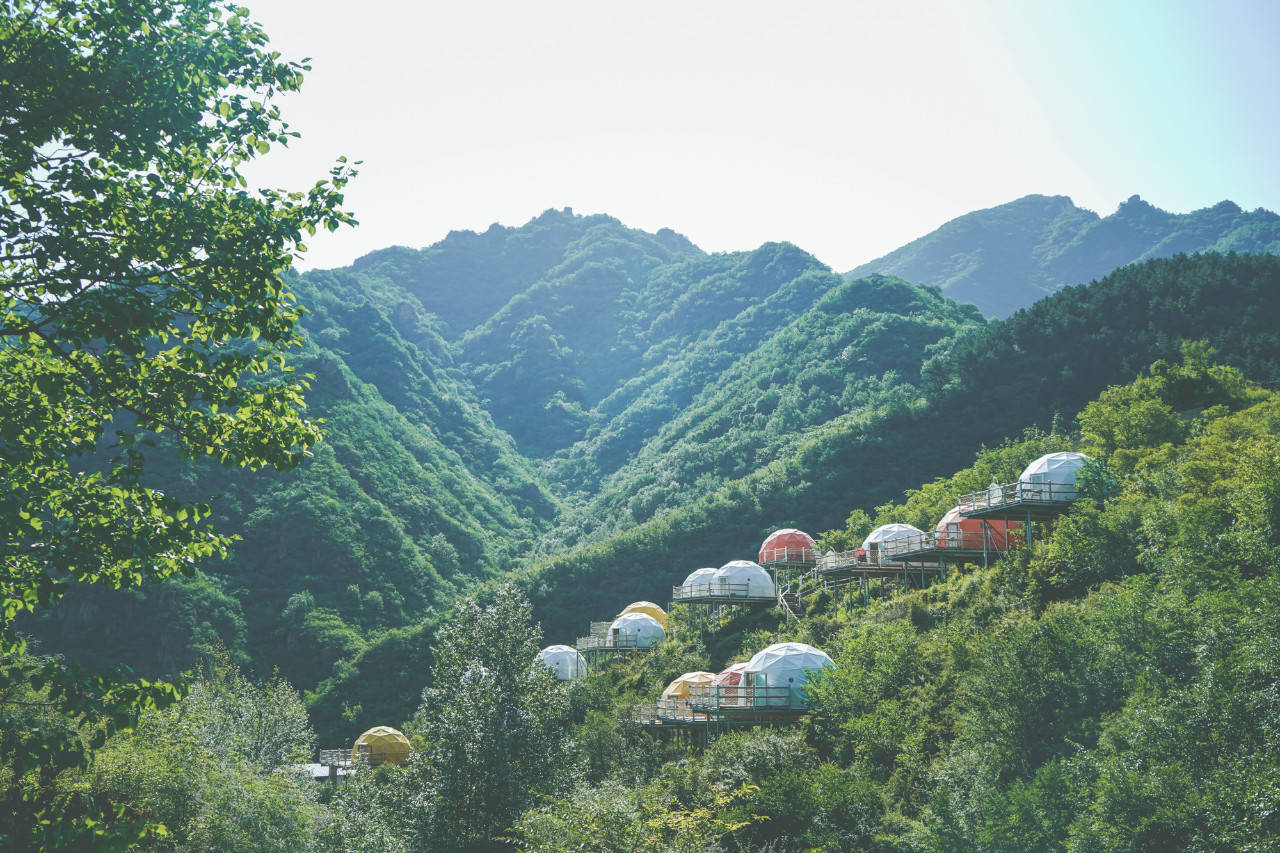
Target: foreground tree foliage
[[489, 738], [140, 294]]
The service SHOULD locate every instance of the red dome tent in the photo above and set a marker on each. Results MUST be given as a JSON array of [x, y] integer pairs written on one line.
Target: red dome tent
[[956, 531], [788, 546]]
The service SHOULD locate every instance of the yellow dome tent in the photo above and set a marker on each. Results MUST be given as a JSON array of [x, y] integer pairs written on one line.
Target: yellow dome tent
[[384, 744], [679, 689], [648, 608]]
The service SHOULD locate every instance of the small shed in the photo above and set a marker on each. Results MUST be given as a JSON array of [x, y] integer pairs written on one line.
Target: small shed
[[649, 609], [744, 578], [383, 744], [635, 630], [564, 661]]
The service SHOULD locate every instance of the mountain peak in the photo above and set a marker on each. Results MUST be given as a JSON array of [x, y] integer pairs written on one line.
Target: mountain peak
[[1004, 258]]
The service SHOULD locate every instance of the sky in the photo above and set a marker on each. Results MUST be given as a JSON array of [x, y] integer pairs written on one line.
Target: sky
[[848, 128]]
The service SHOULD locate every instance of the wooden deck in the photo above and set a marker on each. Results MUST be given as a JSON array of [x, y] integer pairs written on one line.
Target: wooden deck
[[852, 564], [953, 546], [743, 702], [1020, 501], [792, 557]]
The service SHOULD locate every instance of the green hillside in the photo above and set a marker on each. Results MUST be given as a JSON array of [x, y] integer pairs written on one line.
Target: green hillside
[[988, 383], [1006, 257], [1114, 688], [453, 382]]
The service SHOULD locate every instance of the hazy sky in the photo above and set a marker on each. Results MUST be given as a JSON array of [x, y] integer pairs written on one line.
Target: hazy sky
[[848, 128]]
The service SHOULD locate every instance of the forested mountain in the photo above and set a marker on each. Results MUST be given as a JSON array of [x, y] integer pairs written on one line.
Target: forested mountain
[[601, 408], [977, 387], [505, 394], [1006, 257]]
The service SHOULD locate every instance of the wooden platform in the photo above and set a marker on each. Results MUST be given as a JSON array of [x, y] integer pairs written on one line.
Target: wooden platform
[[952, 546], [720, 593], [1019, 501], [849, 564]]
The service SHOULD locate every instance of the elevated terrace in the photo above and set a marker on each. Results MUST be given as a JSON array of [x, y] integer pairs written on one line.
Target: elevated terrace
[[720, 592], [955, 546], [1020, 501]]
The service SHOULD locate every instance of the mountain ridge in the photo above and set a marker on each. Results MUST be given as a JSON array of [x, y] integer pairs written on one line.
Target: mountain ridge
[[1005, 257]]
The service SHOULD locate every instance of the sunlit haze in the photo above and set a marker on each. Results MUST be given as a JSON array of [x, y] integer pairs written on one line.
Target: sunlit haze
[[846, 128]]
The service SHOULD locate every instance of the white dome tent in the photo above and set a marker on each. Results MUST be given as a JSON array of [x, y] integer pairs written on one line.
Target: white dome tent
[[1052, 476], [783, 665], [700, 577], [743, 578], [874, 543], [564, 661], [635, 630]]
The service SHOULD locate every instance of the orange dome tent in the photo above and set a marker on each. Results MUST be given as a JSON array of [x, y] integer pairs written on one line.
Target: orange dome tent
[[788, 546], [384, 744], [956, 531]]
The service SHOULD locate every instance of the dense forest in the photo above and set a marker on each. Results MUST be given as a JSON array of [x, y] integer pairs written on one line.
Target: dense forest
[[1007, 257], [417, 492], [1112, 688]]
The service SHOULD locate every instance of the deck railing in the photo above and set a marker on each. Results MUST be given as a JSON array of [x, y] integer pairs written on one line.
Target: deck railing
[[362, 755], [717, 589], [951, 540], [788, 554], [726, 698], [1021, 492], [858, 559], [679, 710], [615, 643]]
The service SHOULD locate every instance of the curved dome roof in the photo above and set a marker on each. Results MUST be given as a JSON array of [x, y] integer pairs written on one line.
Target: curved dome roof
[[738, 572], [1054, 468], [699, 576], [385, 745], [973, 525], [732, 675], [886, 532], [679, 688], [648, 608], [635, 629], [787, 544], [786, 665], [564, 661]]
